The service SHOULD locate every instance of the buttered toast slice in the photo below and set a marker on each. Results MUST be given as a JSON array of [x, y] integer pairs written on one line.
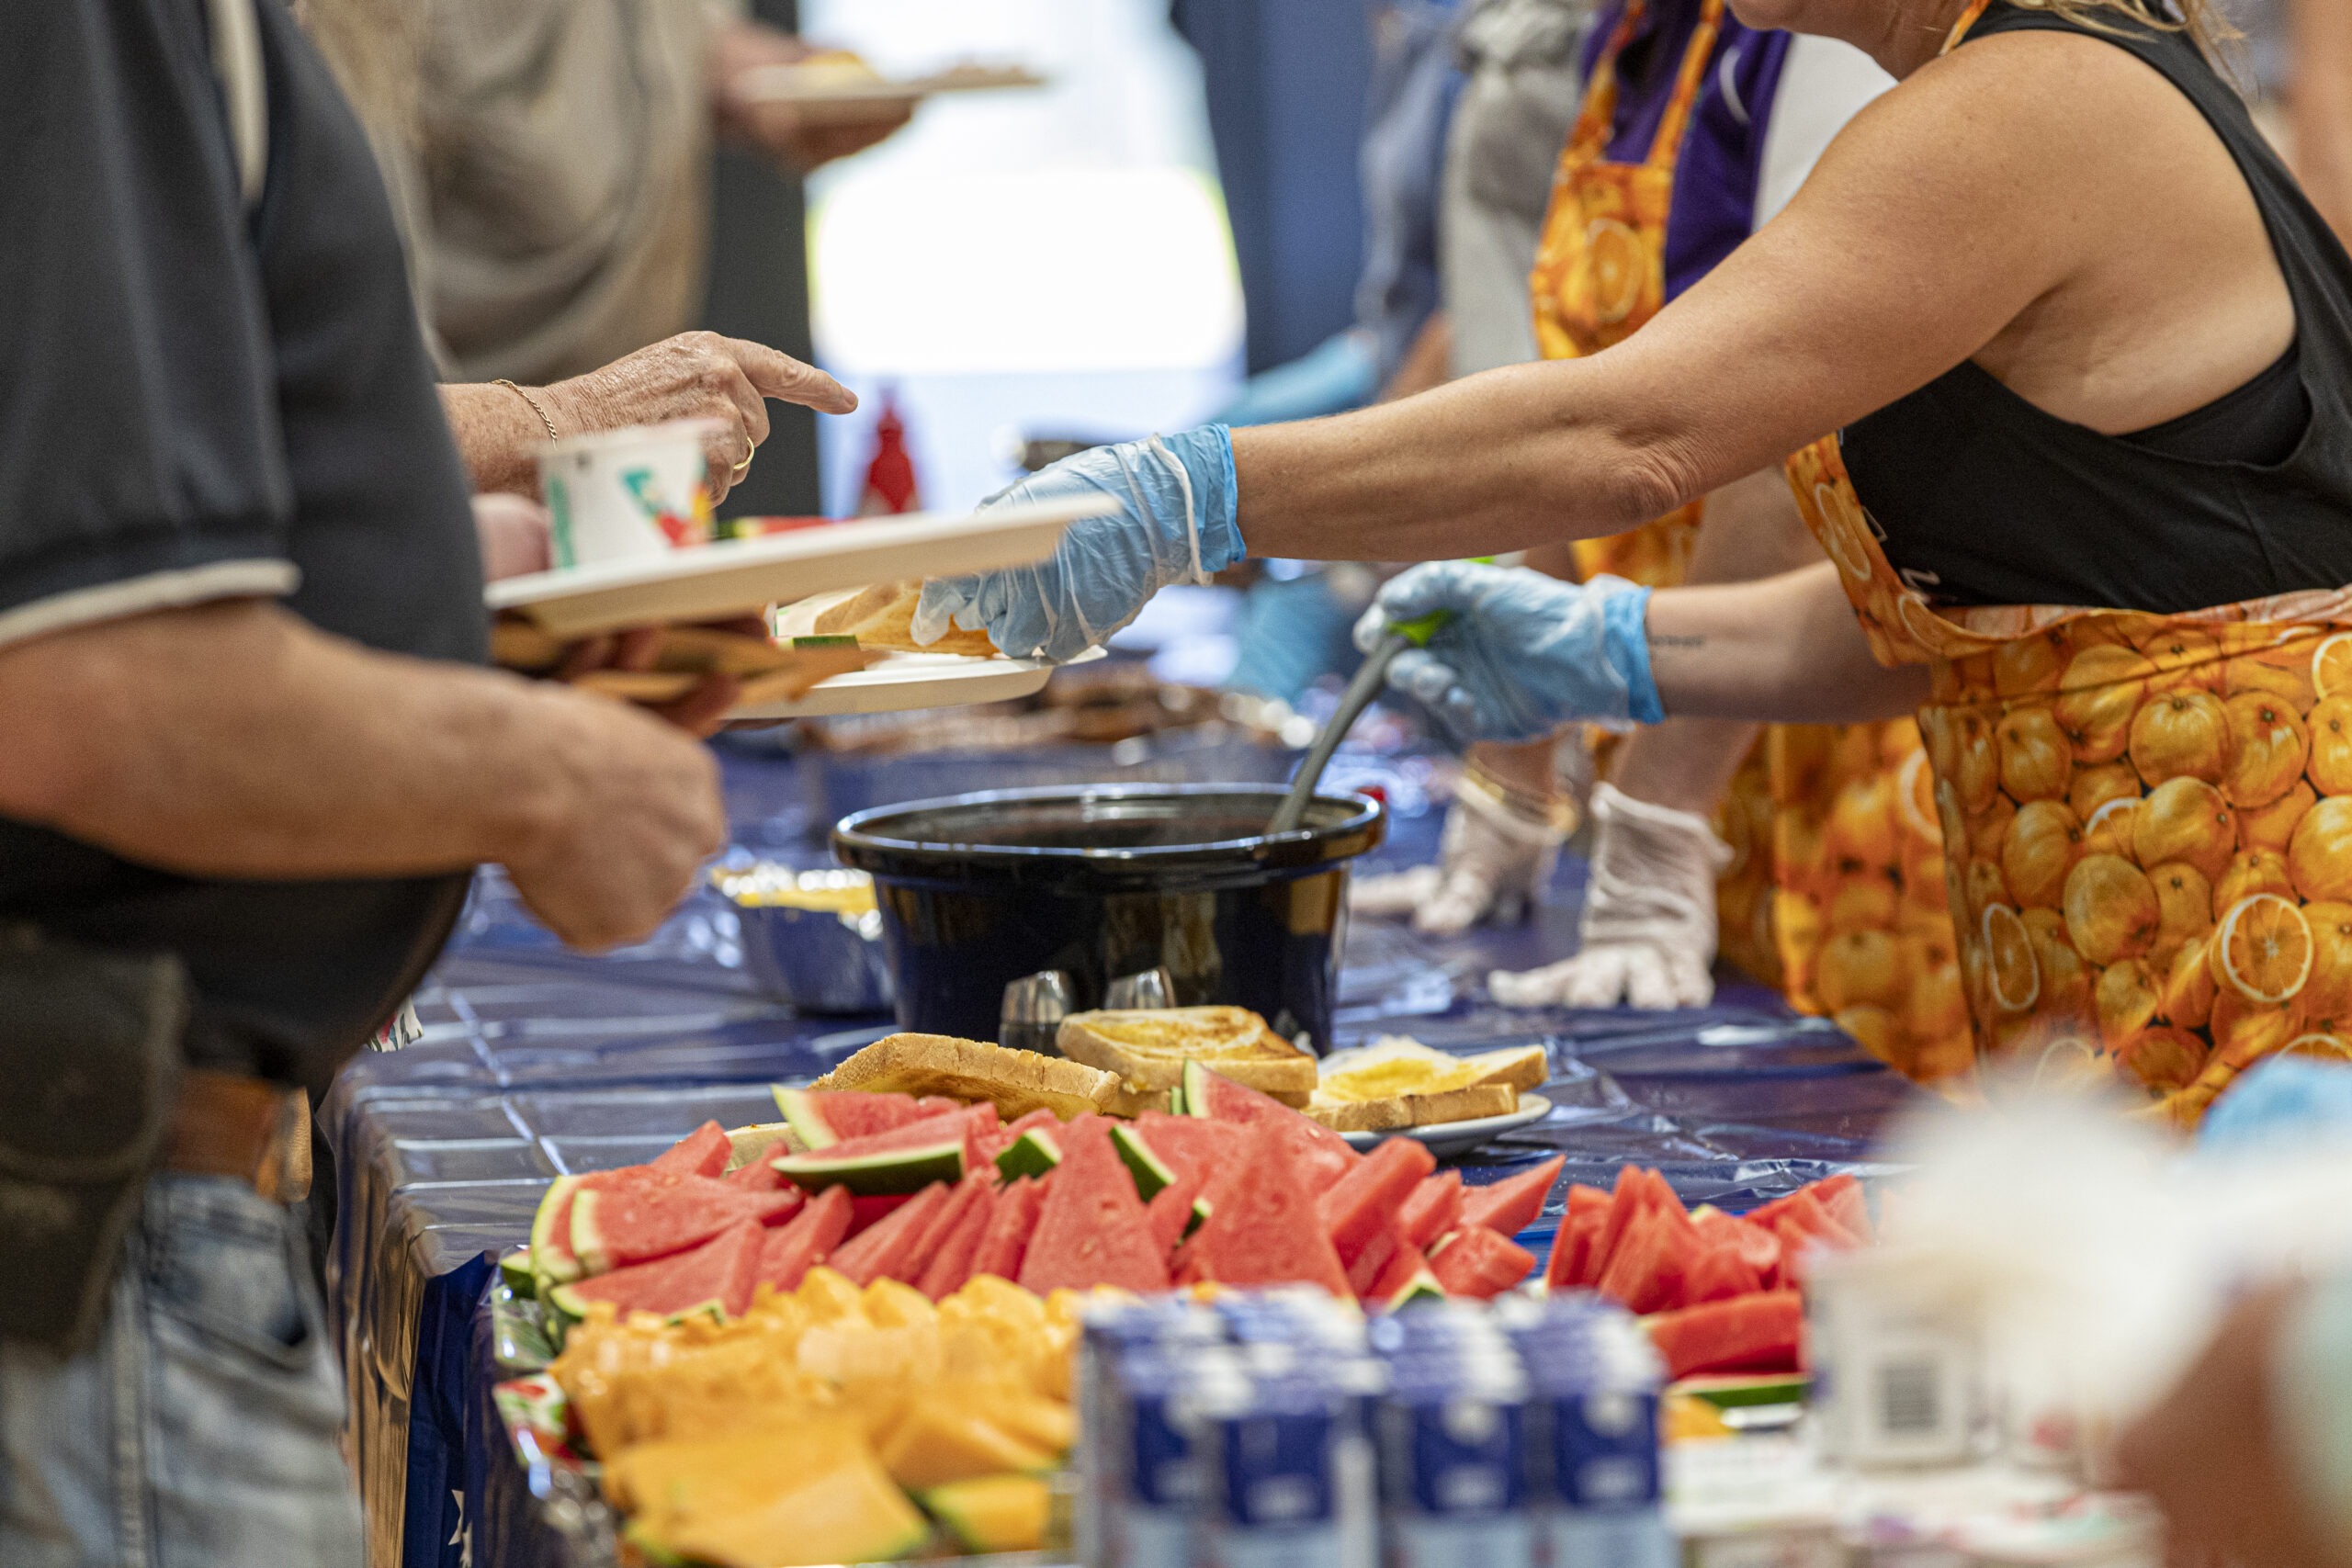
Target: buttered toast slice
[[1397, 1082], [973, 1070], [1148, 1049], [883, 616]]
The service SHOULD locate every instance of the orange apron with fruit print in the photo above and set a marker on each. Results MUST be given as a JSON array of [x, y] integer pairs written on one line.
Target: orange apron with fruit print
[[2147, 820], [1835, 893]]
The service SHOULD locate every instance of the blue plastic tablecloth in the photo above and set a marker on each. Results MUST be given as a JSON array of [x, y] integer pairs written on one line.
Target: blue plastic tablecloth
[[536, 1063]]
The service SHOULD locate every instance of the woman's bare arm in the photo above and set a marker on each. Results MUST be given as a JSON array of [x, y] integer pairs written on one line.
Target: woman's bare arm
[[1786, 650], [1949, 209]]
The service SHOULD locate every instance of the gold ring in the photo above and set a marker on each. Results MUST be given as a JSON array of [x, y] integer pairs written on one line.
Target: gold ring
[[745, 465]]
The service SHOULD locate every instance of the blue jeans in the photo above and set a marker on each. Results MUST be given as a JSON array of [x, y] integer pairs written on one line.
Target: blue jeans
[[200, 1431]]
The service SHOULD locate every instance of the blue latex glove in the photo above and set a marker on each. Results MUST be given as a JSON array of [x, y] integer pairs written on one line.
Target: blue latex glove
[[1175, 522], [2281, 1100], [1524, 653], [1342, 372]]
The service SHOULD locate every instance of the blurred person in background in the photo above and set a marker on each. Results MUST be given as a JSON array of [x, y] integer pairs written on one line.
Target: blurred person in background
[[549, 167], [252, 763]]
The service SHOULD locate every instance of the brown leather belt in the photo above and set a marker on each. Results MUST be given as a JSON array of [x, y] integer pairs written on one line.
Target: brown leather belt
[[224, 1125]]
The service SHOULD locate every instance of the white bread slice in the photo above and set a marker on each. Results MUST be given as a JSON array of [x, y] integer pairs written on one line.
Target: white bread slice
[[1148, 1049], [973, 1070], [1523, 1067], [1393, 1111], [883, 616]]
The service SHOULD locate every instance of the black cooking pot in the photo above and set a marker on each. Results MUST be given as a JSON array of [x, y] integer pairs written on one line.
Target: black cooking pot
[[1099, 882]]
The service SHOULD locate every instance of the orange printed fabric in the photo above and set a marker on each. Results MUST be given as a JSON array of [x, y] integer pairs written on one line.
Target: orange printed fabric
[[2147, 820]]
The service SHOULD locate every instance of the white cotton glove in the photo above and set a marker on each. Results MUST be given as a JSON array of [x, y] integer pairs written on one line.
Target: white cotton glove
[[1492, 866], [1648, 931]]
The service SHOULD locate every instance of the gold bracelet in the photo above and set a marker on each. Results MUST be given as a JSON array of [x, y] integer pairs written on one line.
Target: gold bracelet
[[545, 421]]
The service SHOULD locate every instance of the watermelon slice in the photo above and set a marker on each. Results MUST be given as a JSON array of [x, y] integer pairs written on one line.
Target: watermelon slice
[[1423, 1287], [1007, 1237], [1756, 1246], [701, 1152], [1036, 1151], [1174, 1209], [1842, 1196], [552, 1261], [1433, 1208], [971, 1192], [864, 1213], [903, 1159], [1150, 1172], [790, 1251], [1481, 1264], [1720, 1273], [951, 1258], [1653, 1260], [1091, 1229], [1003, 1138], [1587, 1211], [1374, 1261], [634, 1215], [822, 1118], [759, 1177], [876, 1251], [1364, 1202], [1510, 1206], [1190, 1143], [1263, 1227], [719, 1274], [1759, 1333], [1322, 1156]]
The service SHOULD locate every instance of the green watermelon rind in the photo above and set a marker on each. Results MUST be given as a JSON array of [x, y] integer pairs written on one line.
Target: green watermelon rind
[[1150, 1172], [1194, 1092], [1423, 1287], [1202, 1210], [800, 1114], [1034, 1153], [760, 1140], [550, 1268], [886, 1174], [515, 1269], [566, 1300]]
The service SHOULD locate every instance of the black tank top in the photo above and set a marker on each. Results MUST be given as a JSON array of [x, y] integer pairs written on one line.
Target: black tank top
[[1985, 499]]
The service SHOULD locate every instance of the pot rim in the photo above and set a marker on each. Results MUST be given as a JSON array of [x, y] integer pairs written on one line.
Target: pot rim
[[858, 840]]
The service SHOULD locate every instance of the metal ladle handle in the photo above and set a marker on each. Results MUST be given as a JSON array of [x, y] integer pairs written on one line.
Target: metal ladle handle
[[1402, 635]]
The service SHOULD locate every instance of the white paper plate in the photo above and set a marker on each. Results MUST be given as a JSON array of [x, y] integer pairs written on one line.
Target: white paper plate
[[735, 577], [902, 680], [820, 97], [1447, 1139]]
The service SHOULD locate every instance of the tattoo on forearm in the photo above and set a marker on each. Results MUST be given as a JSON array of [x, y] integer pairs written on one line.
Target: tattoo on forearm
[[1684, 642]]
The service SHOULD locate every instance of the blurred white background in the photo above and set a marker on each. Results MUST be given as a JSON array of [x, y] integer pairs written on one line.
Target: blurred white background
[[1054, 262]]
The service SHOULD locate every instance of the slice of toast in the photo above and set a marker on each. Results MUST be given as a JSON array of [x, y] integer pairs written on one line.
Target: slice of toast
[[1399, 1082], [1148, 1049], [1392, 1111], [973, 1070], [883, 616]]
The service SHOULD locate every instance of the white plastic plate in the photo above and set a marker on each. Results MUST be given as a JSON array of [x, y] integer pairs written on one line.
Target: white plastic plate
[[1447, 1139], [902, 680], [737, 577]]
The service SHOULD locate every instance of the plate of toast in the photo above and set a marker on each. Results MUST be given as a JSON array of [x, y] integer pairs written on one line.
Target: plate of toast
[[1392, 1087], [1453, 1103], [961, 668]]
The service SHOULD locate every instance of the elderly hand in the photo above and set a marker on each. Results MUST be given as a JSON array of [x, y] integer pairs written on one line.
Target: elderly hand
[[513, 532], [786, 131], [1174, 523], [696, 375], [1522, 653]]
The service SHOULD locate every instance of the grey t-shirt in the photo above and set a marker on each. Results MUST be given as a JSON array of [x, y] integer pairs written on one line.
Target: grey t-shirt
[[203, 402]]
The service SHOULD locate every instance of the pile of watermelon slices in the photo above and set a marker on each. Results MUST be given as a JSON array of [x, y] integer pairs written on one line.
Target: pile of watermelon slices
[[1718, 1293], [1238, 1188]]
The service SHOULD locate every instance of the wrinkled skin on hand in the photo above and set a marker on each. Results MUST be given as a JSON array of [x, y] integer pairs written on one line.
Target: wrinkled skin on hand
[[696, 375]]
